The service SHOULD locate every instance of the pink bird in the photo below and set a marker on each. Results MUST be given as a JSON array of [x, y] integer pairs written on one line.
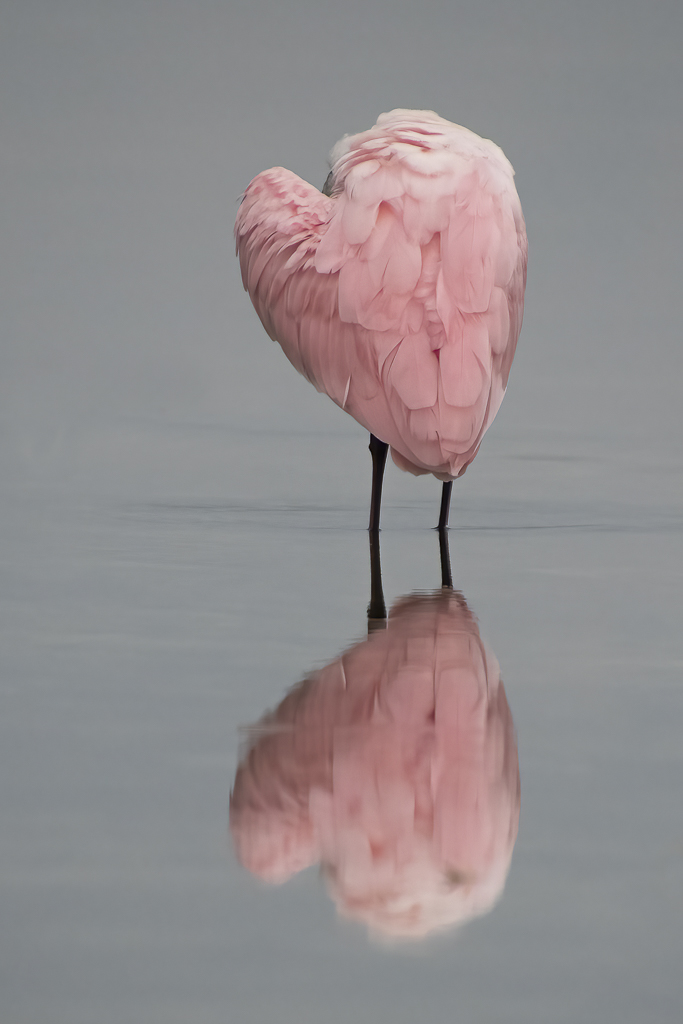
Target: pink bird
[[396, 768], [398, 290]]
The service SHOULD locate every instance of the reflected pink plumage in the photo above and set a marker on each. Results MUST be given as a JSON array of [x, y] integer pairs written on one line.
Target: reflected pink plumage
[[401, 294], [396, 767]]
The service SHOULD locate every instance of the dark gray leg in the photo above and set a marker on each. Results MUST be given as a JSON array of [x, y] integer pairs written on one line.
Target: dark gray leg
[[445, 505], [377, 610], [446, 578], [378, 450]]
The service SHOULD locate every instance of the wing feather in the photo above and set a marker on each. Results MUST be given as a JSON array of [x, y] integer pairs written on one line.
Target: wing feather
[[400, 296]]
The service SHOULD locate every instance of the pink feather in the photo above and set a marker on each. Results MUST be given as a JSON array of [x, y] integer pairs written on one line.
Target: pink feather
[[403, 292], [396, 767]]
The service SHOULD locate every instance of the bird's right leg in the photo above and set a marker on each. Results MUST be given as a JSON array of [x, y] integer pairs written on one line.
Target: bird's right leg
[[378, 450], [445, 506]]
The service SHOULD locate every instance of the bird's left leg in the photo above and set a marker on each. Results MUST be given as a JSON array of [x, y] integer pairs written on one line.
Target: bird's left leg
[[378, 450], [445, 506]]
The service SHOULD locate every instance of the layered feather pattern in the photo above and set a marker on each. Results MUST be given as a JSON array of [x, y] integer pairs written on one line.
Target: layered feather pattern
[[400, 295]]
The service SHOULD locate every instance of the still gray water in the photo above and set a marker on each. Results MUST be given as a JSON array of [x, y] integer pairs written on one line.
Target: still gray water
[[140, 635], [183, 535]]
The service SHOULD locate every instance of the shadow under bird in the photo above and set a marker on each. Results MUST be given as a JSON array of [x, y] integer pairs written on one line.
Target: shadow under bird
[[399, 289]]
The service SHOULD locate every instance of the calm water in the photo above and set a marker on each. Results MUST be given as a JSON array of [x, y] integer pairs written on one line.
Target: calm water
[[182, 529], [141, 635]]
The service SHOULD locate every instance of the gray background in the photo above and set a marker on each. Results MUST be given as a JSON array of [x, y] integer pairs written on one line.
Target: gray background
[[183, 517]]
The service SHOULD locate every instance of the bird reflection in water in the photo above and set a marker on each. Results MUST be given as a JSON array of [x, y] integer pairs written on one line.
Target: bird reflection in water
[[395, 767]]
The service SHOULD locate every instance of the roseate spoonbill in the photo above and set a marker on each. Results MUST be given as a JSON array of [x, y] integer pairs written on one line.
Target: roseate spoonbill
[[398, 290], [396, 767]]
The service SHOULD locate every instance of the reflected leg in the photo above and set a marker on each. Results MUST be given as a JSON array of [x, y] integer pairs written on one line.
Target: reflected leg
[[378, 450], [446, 577], [377, 610]]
